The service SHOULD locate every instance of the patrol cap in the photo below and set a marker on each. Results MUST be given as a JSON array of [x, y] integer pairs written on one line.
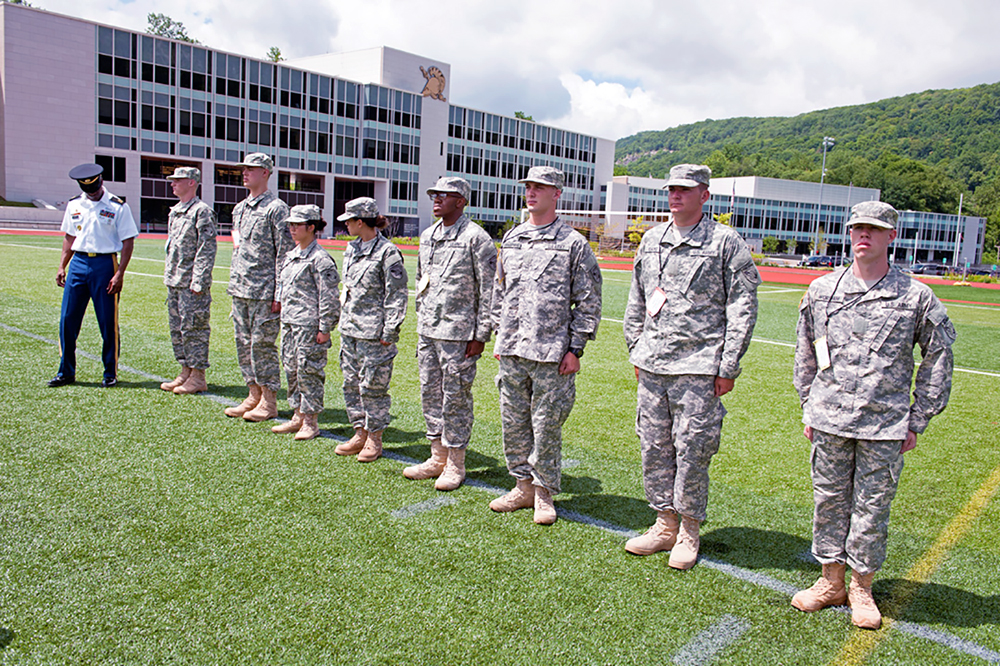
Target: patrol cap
[[545, 175], [876, 213], [452, 185], [688, 175], [304, 213], [361, 208], [258, 160], [86, 174], [181, 173]]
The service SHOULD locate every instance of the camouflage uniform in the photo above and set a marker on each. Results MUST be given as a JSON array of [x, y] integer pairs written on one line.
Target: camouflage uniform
[[454, 289], [546, 301], [188, 268], [310, 304], [859, 407], [374, 306], [261, 232], [701, 332]]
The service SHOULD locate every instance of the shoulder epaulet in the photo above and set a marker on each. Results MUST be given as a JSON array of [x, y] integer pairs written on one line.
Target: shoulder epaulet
[[118, 200], [79, 196]]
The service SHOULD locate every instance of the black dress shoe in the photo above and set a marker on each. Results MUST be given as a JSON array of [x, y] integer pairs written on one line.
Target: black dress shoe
[[108, 382], [61, 380]]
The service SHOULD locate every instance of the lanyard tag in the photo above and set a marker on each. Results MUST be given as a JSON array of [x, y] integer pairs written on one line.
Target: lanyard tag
[[422, 283], [656, 301], [343, 293], [822, 353]]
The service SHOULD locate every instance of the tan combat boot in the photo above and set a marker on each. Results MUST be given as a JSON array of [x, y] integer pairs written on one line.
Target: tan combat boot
[[545, 508], [266, 409], [829, 590], [310, 428], [685, 551], [454, 471], [864, 612], [373, 448], [353, 446], [291, 425], [195, 383], [432, 467], [248, 403], [521, 497], [170, 386], [661, 536]]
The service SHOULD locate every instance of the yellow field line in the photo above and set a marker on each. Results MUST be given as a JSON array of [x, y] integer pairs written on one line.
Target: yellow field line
[[862, 643]]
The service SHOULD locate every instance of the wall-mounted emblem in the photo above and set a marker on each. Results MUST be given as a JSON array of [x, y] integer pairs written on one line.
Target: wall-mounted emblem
[[434, 88]]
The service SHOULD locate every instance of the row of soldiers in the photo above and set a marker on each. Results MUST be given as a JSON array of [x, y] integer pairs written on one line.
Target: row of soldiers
[[691, 312]]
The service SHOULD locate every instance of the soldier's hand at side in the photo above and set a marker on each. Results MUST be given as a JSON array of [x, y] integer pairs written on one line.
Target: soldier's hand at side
[[61, 277], [474, 348], [115, 285], [723, 386], [808, 432], [570, 364], [636, 368], [322, 338], [910, 442], [275, 307]]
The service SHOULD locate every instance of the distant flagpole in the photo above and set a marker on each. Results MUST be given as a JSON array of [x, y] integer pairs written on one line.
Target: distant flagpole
[[958, 229]]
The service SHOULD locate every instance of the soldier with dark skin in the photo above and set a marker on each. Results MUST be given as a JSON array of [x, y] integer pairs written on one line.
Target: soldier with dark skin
[[857, 331]]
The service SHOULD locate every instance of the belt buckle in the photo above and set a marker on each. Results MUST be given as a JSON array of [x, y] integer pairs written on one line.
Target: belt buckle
[[91, 254]]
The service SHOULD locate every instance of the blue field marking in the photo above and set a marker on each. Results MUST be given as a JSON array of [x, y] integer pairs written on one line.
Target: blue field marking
[[711, 641], [746, 575]]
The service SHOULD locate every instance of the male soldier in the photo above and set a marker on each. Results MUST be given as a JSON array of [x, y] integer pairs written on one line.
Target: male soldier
[[454, 289], [260, 240], [187, 272], [853, 369], [97, 225], [546, 306], [690, 314]]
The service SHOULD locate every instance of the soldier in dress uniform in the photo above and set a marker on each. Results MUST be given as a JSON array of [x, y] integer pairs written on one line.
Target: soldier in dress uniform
[[690, 315], [455, 273], [187, 273], [96, 227], [546, 306], [857, 330]]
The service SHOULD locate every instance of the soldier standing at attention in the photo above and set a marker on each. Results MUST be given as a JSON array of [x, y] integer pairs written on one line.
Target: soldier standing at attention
[[690, 315], [260, 240], [187, 273], [374, 305], [546, 306], [853, 370], [455, 273], [96, 227], [310, 309]]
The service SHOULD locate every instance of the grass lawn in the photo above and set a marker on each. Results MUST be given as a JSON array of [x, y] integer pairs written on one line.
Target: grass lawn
[[141, 527]]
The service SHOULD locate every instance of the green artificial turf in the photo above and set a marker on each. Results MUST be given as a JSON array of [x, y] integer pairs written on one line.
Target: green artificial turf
[[141, 527]]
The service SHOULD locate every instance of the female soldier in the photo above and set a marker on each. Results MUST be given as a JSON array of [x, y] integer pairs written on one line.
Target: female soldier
[[307, 291], [374, 305]]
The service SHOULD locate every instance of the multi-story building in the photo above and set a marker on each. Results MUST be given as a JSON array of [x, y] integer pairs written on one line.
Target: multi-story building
[[377, 122], [810, 215]]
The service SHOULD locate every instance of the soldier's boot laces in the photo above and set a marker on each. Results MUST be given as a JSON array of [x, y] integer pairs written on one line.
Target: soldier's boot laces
[[177, 381], [432, 467], [310, 427], [195, 383], [661, 536], [829, 590], [266, 409], [372, 449], [353, 446], [685, 551], [545, 508], [248, 403], [522, 496], [291, 425], [864, 612], [454, 471]]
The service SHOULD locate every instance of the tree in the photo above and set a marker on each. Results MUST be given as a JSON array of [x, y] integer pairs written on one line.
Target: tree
[[769, 245], [523, 116], [162, 25], [724, 218], [274, 54], [23, 3], [620, 170]]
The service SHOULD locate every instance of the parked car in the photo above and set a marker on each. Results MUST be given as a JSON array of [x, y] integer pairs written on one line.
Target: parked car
[[928, 269], [818, 260]]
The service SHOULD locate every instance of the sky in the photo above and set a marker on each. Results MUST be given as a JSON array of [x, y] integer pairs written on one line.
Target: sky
[[614, 68]]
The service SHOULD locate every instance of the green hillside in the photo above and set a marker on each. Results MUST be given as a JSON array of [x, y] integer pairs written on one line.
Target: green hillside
[[922, 150]]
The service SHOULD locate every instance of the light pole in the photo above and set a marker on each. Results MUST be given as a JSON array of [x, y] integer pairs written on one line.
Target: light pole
[[827, 143]]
